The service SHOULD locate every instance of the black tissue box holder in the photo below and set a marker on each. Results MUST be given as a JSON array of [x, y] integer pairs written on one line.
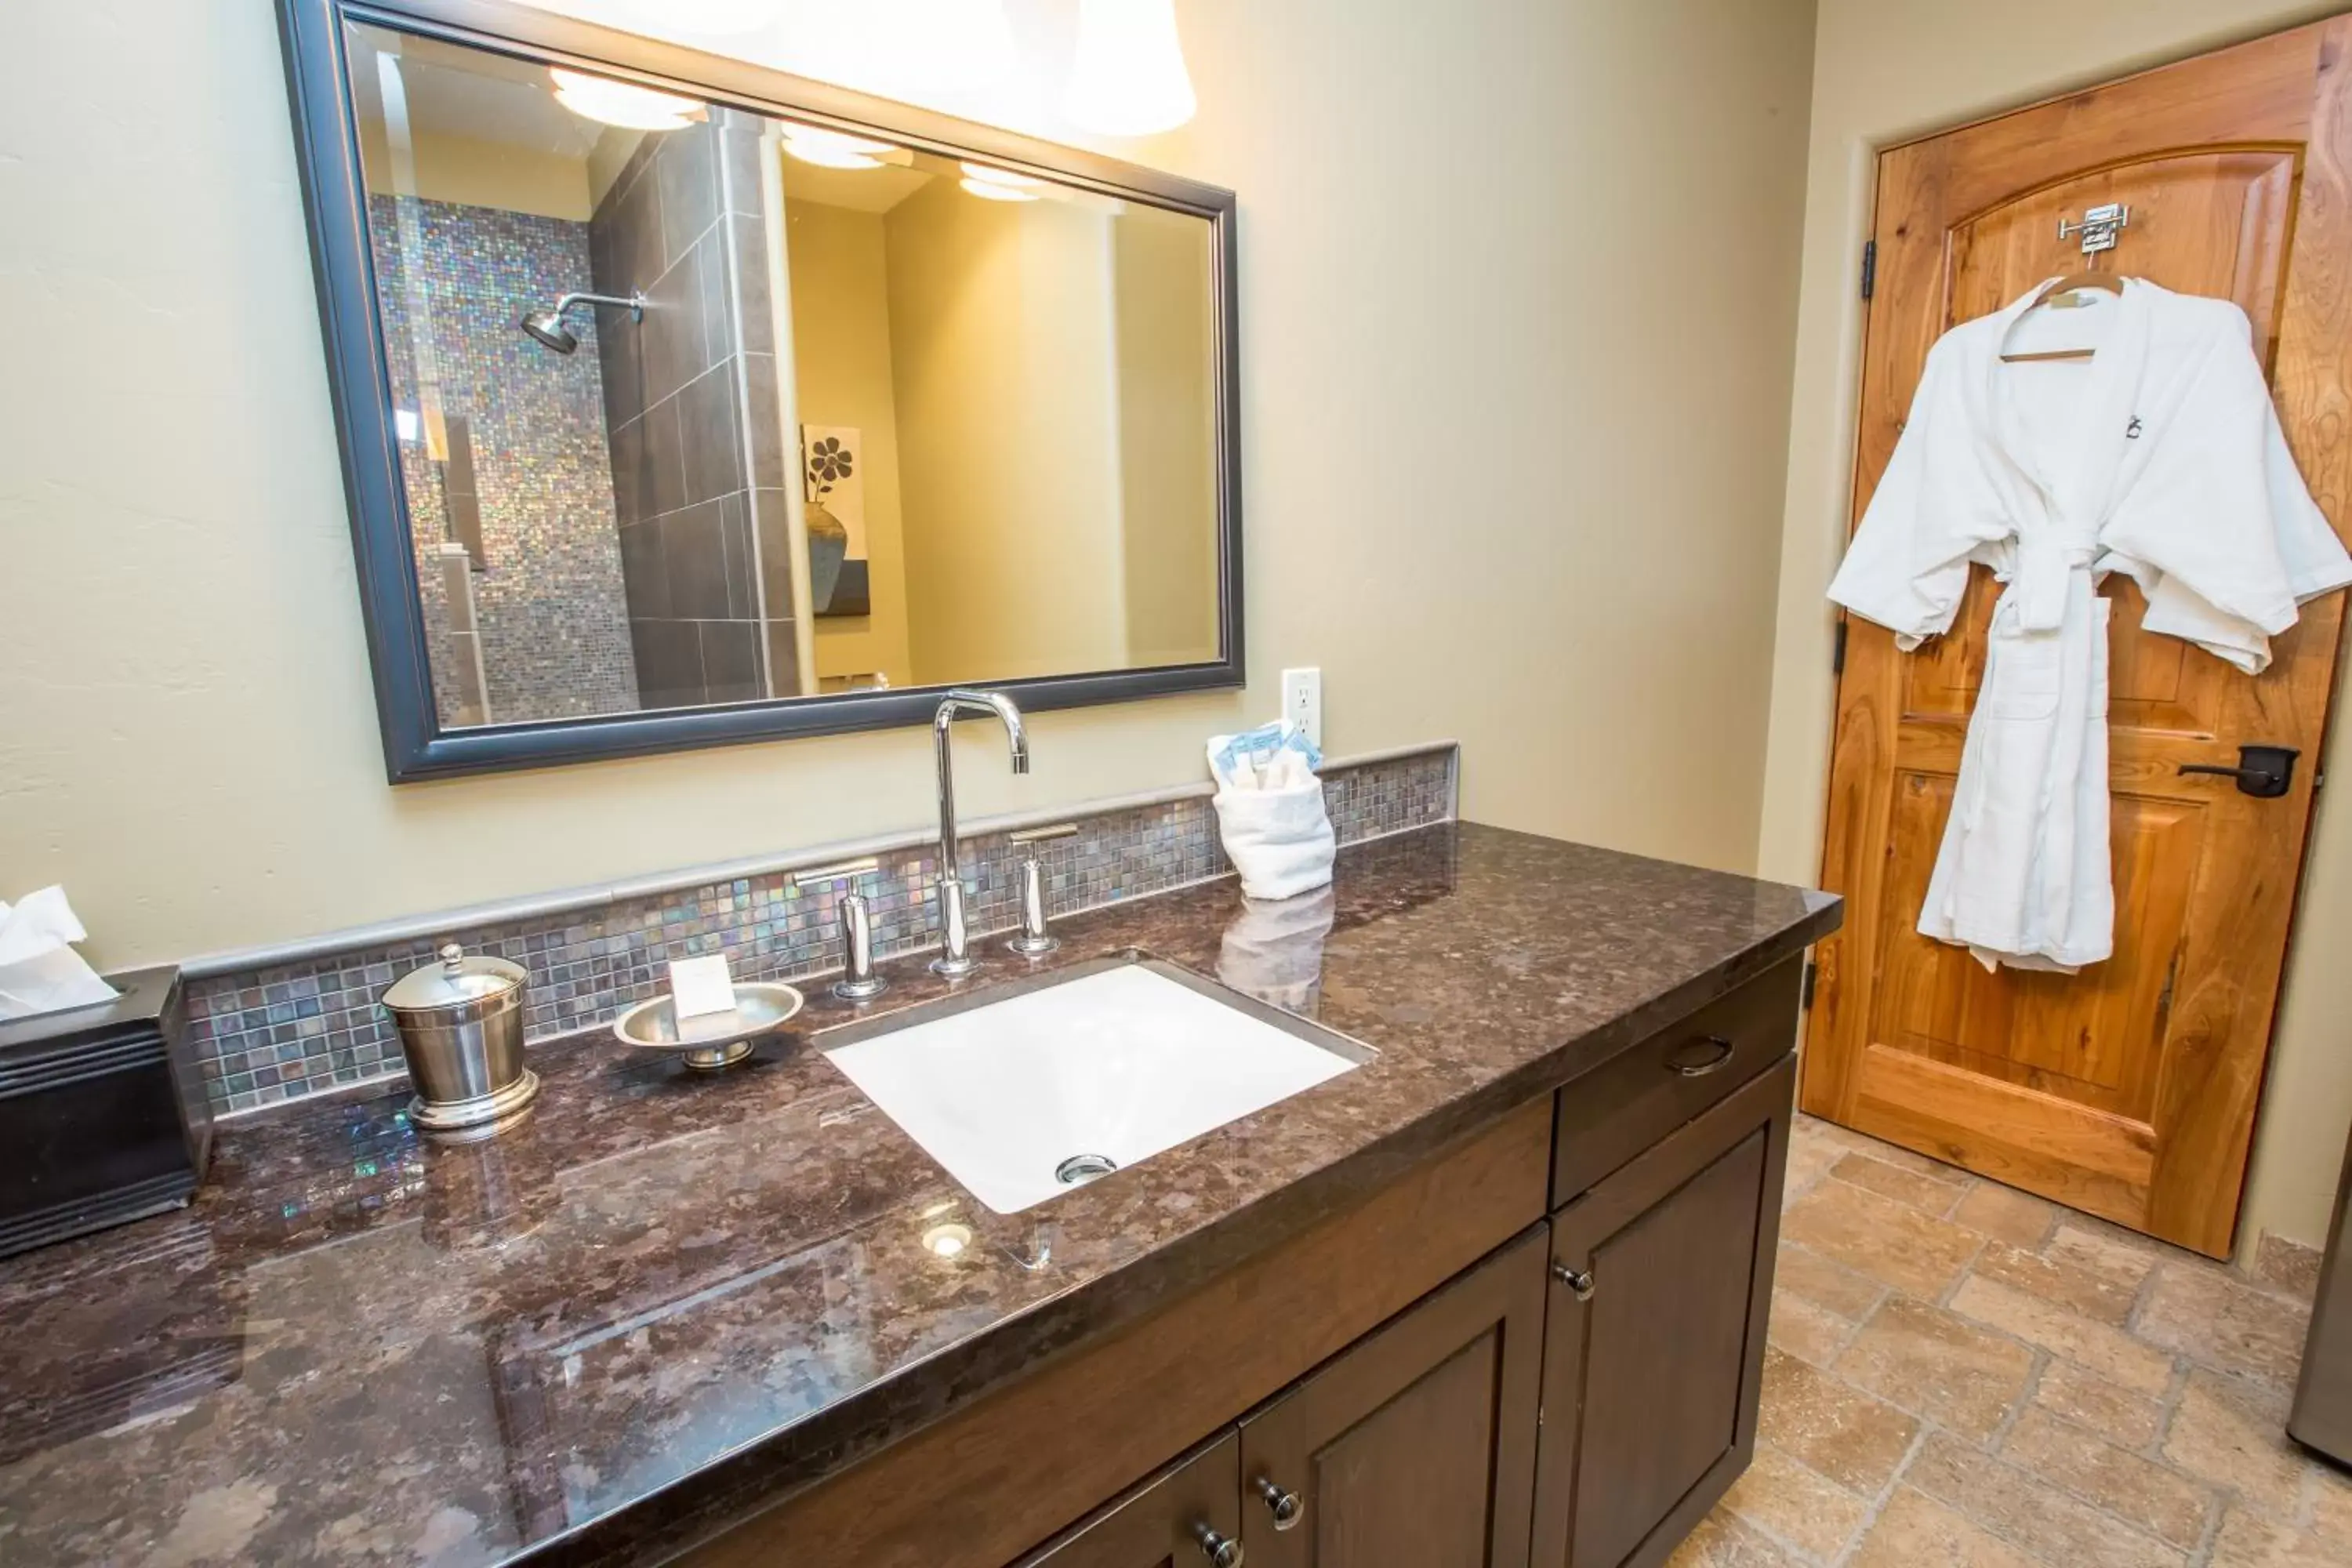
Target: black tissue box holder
[[104, 1117]]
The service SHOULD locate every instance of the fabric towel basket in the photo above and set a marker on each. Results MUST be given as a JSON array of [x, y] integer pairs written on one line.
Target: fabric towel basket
[[1280, 840]]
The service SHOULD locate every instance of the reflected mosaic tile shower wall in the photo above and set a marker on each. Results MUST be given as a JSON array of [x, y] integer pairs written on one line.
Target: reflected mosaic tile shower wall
[[274, 1033], [549, 610]]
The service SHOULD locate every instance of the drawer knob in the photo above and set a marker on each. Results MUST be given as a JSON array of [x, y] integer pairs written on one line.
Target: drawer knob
[[1578, 1280], [1221, 1550], [1280, 1501], [1699, 1058]]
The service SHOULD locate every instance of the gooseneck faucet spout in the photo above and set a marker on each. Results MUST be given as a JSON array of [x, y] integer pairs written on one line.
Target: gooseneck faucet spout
[[955, 959]]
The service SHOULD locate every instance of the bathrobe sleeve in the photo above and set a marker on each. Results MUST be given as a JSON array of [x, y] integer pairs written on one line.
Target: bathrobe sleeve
[[1907, 565], [2217, 524]]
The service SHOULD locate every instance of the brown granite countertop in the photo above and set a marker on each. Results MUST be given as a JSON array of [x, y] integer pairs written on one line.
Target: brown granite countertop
[[669, 1296]]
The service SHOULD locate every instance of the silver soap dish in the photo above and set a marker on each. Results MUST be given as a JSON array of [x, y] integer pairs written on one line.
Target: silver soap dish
[[708, 1041]]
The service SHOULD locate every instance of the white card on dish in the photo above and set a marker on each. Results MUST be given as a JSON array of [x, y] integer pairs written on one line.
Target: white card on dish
[[700, 985]]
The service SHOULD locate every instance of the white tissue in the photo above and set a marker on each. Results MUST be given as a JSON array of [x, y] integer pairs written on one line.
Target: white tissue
[[39, 970]]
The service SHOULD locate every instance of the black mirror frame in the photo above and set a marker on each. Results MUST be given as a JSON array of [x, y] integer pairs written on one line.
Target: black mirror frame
[[415, 745]]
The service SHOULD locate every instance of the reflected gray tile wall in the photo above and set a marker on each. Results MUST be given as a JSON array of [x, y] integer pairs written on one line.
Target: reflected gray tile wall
[[527, 487], [269, 1035], [690, 398]]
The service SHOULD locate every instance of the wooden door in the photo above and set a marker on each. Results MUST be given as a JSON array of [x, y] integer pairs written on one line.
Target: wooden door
[[1416, 1448], [2128, 1089], [1653, 1356], [1181, 1518]]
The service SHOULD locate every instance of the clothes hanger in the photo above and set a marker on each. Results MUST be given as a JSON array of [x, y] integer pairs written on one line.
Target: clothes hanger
[[2072, 282]]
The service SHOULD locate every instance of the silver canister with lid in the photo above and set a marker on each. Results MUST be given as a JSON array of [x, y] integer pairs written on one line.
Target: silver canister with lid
[[460, 1023]]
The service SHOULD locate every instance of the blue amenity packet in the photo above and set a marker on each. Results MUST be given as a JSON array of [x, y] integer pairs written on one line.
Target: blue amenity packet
[[1239, 760]]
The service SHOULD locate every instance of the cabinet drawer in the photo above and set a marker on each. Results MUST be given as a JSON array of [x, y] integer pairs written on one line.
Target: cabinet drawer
[[1616, 1112], [1164, 1520]]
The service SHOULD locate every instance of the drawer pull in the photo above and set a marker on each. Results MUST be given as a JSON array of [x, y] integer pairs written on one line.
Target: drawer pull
[[1280, 1501], [1699, 1058], [1579, 1281], [1221, 1550]]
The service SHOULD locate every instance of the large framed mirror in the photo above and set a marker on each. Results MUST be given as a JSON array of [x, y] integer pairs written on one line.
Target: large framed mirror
[[684, 402]]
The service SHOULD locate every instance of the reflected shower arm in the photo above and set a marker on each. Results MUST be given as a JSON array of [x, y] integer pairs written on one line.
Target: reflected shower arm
[[634, 304]]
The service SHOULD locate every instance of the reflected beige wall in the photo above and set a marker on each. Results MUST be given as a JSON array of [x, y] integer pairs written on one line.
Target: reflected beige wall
[[480, 174], [1887, 70], [1513, 477], [841, 355], [1003, 343], [1164, 310]]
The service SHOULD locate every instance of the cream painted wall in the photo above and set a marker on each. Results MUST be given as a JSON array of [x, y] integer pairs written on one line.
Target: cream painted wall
[[841, 364], [1514, 396], [1885, 71]]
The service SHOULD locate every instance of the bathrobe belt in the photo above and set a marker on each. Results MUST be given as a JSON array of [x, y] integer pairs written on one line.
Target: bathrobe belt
[[2041, 568]]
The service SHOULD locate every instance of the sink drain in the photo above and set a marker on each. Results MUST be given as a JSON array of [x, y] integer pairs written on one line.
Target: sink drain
[[1079, 1169]]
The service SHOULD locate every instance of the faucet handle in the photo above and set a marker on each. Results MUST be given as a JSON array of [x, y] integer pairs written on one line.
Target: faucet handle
[[858, 981], [1034, 941]]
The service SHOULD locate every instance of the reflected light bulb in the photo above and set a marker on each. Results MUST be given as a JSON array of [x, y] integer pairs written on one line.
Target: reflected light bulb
[[619, 103], [992, 191], [947, 1240], [833, 149], [999, 184], [1128, 75]]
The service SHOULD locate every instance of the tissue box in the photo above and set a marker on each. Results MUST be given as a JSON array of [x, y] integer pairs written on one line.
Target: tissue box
[[104, 1117]]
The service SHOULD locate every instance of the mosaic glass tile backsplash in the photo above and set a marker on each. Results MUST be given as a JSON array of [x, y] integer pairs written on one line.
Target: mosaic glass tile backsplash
[[271, 1035]]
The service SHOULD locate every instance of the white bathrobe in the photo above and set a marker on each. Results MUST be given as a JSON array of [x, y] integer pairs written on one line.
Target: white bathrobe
[[2160, 457]]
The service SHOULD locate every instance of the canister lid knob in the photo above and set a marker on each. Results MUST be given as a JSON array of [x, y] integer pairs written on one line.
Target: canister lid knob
[[461, 981]]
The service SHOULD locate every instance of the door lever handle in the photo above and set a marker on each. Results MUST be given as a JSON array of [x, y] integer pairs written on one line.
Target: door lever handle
[[2265, 773]]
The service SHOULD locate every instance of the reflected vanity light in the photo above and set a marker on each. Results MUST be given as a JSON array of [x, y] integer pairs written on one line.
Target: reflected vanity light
[[1128, 78], [618, 103], [947, 1240], [1000, 185], [835, 149]]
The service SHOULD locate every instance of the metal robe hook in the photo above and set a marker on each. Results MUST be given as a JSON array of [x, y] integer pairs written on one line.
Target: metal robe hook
[[2098, 227]]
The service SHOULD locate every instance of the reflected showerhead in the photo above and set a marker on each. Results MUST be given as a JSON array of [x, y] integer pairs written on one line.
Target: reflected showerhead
[[547, 326]]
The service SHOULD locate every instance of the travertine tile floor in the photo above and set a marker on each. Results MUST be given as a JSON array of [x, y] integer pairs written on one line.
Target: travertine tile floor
[[1961, 1375]]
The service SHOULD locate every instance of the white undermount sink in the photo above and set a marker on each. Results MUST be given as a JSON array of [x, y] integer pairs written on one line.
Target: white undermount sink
[[1044, 1088]]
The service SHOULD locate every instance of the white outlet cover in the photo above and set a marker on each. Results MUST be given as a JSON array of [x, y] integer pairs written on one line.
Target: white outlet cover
[[1302, 701]]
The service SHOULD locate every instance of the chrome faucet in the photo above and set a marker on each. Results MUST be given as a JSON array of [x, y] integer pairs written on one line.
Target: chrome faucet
[[955, 935]]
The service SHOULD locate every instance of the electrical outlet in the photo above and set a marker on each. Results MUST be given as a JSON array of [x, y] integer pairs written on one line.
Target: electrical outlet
[[1302, 701]]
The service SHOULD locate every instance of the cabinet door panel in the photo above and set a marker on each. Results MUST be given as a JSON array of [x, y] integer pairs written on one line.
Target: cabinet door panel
[[1158, 1524], [1650, 1381], [1417, 1448]]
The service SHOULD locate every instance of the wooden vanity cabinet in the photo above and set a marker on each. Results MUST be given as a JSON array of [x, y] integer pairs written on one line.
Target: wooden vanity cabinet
[[1447, 1376], [1661, 1281], [1417, 1446]]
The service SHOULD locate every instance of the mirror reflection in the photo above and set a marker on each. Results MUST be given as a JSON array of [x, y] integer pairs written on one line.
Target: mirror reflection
[[697, 406]]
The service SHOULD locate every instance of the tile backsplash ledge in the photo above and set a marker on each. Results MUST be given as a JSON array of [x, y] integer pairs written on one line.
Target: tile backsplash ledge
[[277, 1023]]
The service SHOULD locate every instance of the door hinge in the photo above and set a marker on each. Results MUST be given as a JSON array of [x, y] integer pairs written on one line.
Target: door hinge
[[1805, 988], [1837, 649], [1869, 267]]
